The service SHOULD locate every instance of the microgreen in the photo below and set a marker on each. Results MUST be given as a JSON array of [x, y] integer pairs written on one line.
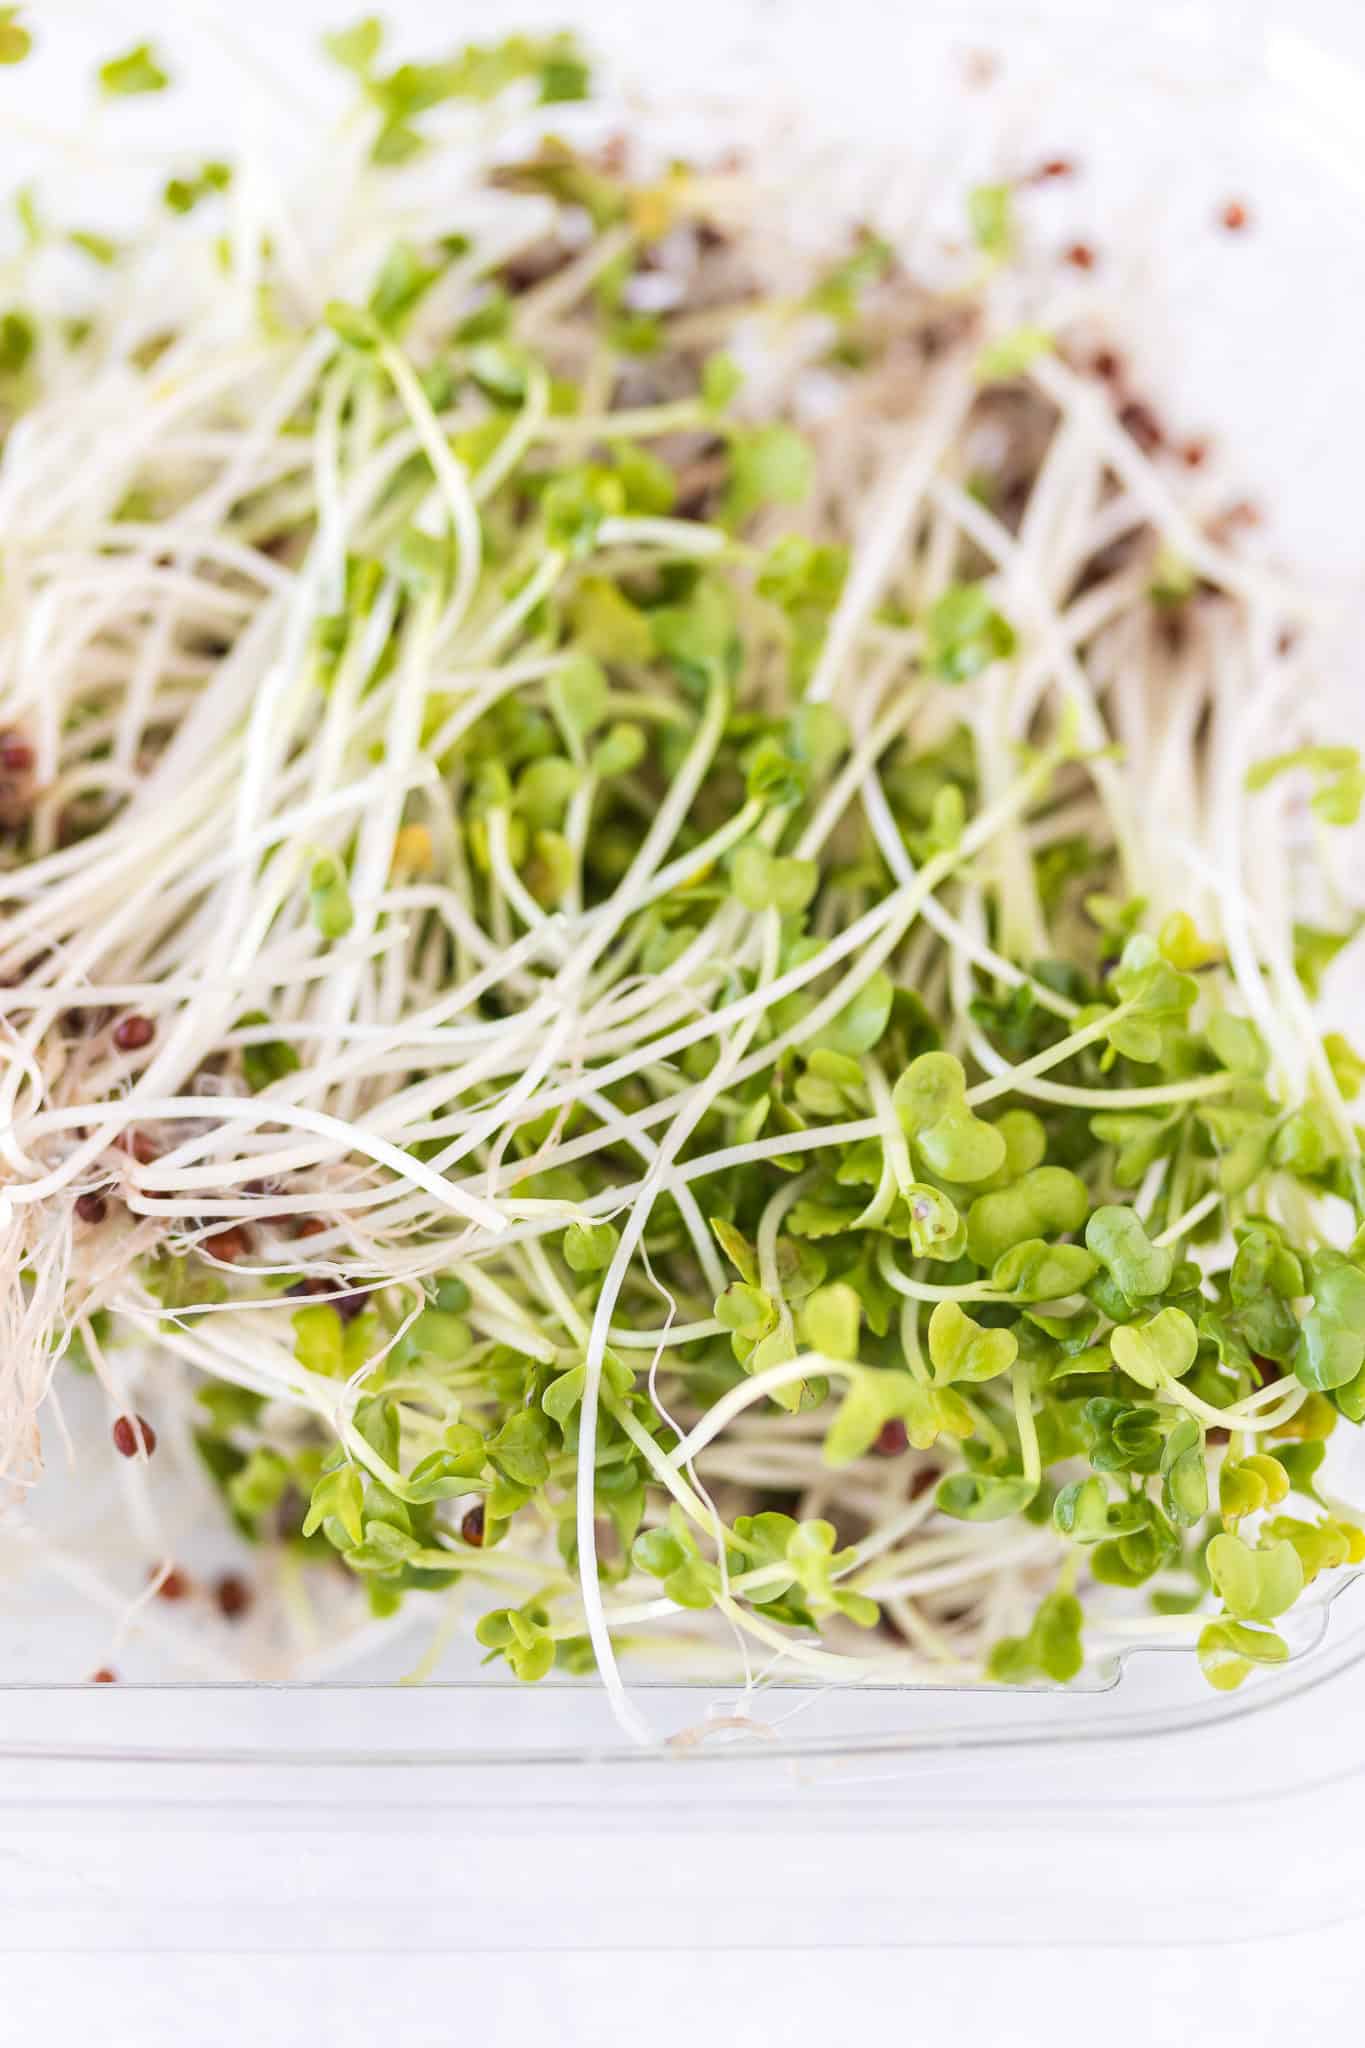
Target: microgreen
[[1044, 1201], [600, 1012], [357, 48], [721, 380], [1337, 772], [1051, 1649], [15, 38], [990, 216], [1011, 354], [138, 71], [182, 195], [838, 291], [964, 634], [331, 901], [930, 1100], [768, 466]]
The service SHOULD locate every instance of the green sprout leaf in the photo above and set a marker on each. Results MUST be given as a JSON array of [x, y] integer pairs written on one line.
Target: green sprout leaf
[[1336, 770], [355, 326], [1247, 1485], [839, 290], [1038, 1271], [1163, 1348], [765, 881], [961, 1350], [269, 1061], [964, 634], [1184, 1474], [937, 1230], [983, 1497], [990, 216], [1011, 354], [139, 71], [768, 466], [830, 1319], [522, 1636], [357, 48], [814, 1561], [1228, 1650], [862, 1022], [337, 1497], [1154, 999], [1081, 1511], [18, 339], [15, 39], [330, 897], [1045, 1201], [1051, 1649], [589, 1247], [881, 1395], [721, 380], [737, 1249], [1120, 1242], [1331, 1346], [1315, 949], [260, 1484], [1255, 1585], [1122, 1438], [930, 1100], [400, 287], [182, 195]]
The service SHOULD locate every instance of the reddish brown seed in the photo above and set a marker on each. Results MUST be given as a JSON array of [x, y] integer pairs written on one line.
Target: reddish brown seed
[[1234, 217], [1143, 424], [1243, 513], [309, 1226], [128, 1430], [1286, 640], [91, 1208], [142, 1148], [227, 1245], [615, 154], [175, 1585], [16, 755], [472, 1525], [1054, 167], [1105, 363], [233, 1596], [133, 1033], [1216, 1435], [891, 1439], [927, 1476], [104, 1676], [349, 1306], [1081, 256], [1194, 454]]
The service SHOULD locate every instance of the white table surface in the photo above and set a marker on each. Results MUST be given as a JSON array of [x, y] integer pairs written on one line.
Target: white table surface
[[1302, 1986]]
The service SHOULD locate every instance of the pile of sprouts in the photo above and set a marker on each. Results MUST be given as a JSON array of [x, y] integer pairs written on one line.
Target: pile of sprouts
[[662, 898]]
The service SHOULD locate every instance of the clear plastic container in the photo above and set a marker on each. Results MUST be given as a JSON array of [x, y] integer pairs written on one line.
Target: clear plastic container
[[932, 1813]]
